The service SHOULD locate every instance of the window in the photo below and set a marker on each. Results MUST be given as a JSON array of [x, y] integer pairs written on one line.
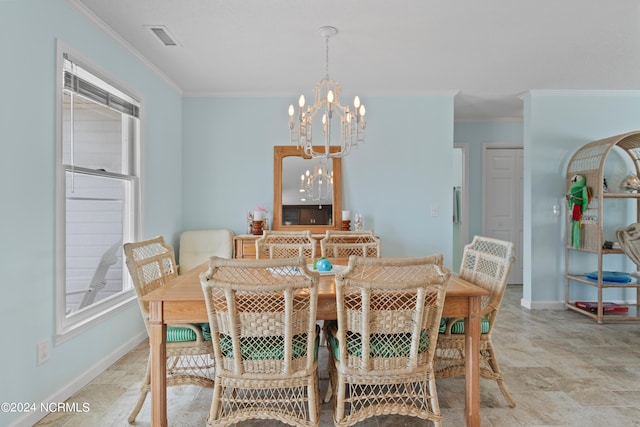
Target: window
[[97, 196]]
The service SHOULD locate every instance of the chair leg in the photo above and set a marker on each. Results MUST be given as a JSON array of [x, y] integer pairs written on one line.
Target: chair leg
[[136, 410], [434, 404], [144, 390], [313, 393], [493, 363], [328, 393], [338, 404], [216, 404], [506, 394], [330, 366]]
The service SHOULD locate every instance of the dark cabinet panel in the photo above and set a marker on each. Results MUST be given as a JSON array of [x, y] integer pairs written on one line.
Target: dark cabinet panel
[[307, 214]]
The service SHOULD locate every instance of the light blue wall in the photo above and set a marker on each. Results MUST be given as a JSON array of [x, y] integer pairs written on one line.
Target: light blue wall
[[393, 179], [27, 165], [556, 125]]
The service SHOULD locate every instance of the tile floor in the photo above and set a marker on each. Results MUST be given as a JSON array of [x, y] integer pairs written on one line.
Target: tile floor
[[562, 369]]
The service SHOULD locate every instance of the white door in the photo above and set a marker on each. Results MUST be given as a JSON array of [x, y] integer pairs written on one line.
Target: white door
[[502, 207]]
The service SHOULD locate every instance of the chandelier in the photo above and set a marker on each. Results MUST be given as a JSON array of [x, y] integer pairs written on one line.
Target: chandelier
[[317, 187], [327, 100]]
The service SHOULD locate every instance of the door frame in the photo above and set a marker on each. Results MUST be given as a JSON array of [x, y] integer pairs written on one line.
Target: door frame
[[464, 194]]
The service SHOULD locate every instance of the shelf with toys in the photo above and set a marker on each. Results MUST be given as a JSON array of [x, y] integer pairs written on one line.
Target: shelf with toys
[[603, 218]]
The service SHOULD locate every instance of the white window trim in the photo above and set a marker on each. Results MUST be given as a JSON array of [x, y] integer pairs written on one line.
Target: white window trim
[[67, 327]]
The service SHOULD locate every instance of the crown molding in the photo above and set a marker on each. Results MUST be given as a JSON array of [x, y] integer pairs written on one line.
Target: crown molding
[[87, 13], [492, 120], [290, 94], [579, 92]]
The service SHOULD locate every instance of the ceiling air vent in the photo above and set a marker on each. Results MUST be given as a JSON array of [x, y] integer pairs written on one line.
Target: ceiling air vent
[[163, 34]]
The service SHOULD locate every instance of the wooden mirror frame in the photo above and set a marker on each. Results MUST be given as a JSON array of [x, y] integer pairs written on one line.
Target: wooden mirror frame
[[279, 153]]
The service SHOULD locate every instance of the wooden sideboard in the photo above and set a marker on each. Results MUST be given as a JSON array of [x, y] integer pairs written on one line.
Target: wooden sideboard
[[244, 245]]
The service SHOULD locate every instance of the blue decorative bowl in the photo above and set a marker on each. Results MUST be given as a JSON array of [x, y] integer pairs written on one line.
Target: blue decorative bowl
[[323, 265]]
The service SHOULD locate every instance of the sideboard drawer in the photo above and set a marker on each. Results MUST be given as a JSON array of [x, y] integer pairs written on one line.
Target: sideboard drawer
[[244, 246]]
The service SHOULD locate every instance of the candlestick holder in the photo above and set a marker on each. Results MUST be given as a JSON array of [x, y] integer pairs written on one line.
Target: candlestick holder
[[346, 225], [249, 222], [358, 226], [257, 227]]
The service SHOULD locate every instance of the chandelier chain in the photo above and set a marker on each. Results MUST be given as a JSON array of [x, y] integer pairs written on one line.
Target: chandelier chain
[[326, 59]]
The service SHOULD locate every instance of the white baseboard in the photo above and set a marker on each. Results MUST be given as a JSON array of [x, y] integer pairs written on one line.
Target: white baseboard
[[556, 305], [542, 305], [82, 380]]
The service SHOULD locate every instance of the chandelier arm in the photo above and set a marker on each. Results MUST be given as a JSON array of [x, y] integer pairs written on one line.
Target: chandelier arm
[[313, 109]]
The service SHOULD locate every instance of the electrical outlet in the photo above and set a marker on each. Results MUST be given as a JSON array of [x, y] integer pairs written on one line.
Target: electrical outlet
[[435, 210], [42, 352]]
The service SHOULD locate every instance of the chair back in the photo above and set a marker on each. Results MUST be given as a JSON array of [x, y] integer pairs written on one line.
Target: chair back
[[389, 312], [262, 315], [151, 264], [343, 244], [487, 262], [285, 244], [197, 246]]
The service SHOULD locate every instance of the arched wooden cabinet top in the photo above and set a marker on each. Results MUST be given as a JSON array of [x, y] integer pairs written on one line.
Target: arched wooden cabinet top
[[590, 161]]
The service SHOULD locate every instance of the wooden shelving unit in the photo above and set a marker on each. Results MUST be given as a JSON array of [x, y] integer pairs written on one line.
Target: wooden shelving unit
[[590, 162]]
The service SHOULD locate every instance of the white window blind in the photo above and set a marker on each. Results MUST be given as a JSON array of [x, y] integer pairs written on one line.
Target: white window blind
[[82, 82]]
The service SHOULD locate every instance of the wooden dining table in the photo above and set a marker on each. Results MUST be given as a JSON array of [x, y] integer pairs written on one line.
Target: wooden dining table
[[182, 301]]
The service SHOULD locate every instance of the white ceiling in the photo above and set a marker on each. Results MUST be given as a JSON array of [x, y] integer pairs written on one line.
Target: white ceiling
[[487, 51]]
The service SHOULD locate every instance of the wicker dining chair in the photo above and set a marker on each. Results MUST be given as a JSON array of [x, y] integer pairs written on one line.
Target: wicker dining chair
[[151, 264], [265, 340], [275, 244], [487, 263], [382, 346], [343, 244]]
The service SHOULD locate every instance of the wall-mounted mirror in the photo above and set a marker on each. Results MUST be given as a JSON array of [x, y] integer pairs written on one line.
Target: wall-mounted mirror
[[306, 192]]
